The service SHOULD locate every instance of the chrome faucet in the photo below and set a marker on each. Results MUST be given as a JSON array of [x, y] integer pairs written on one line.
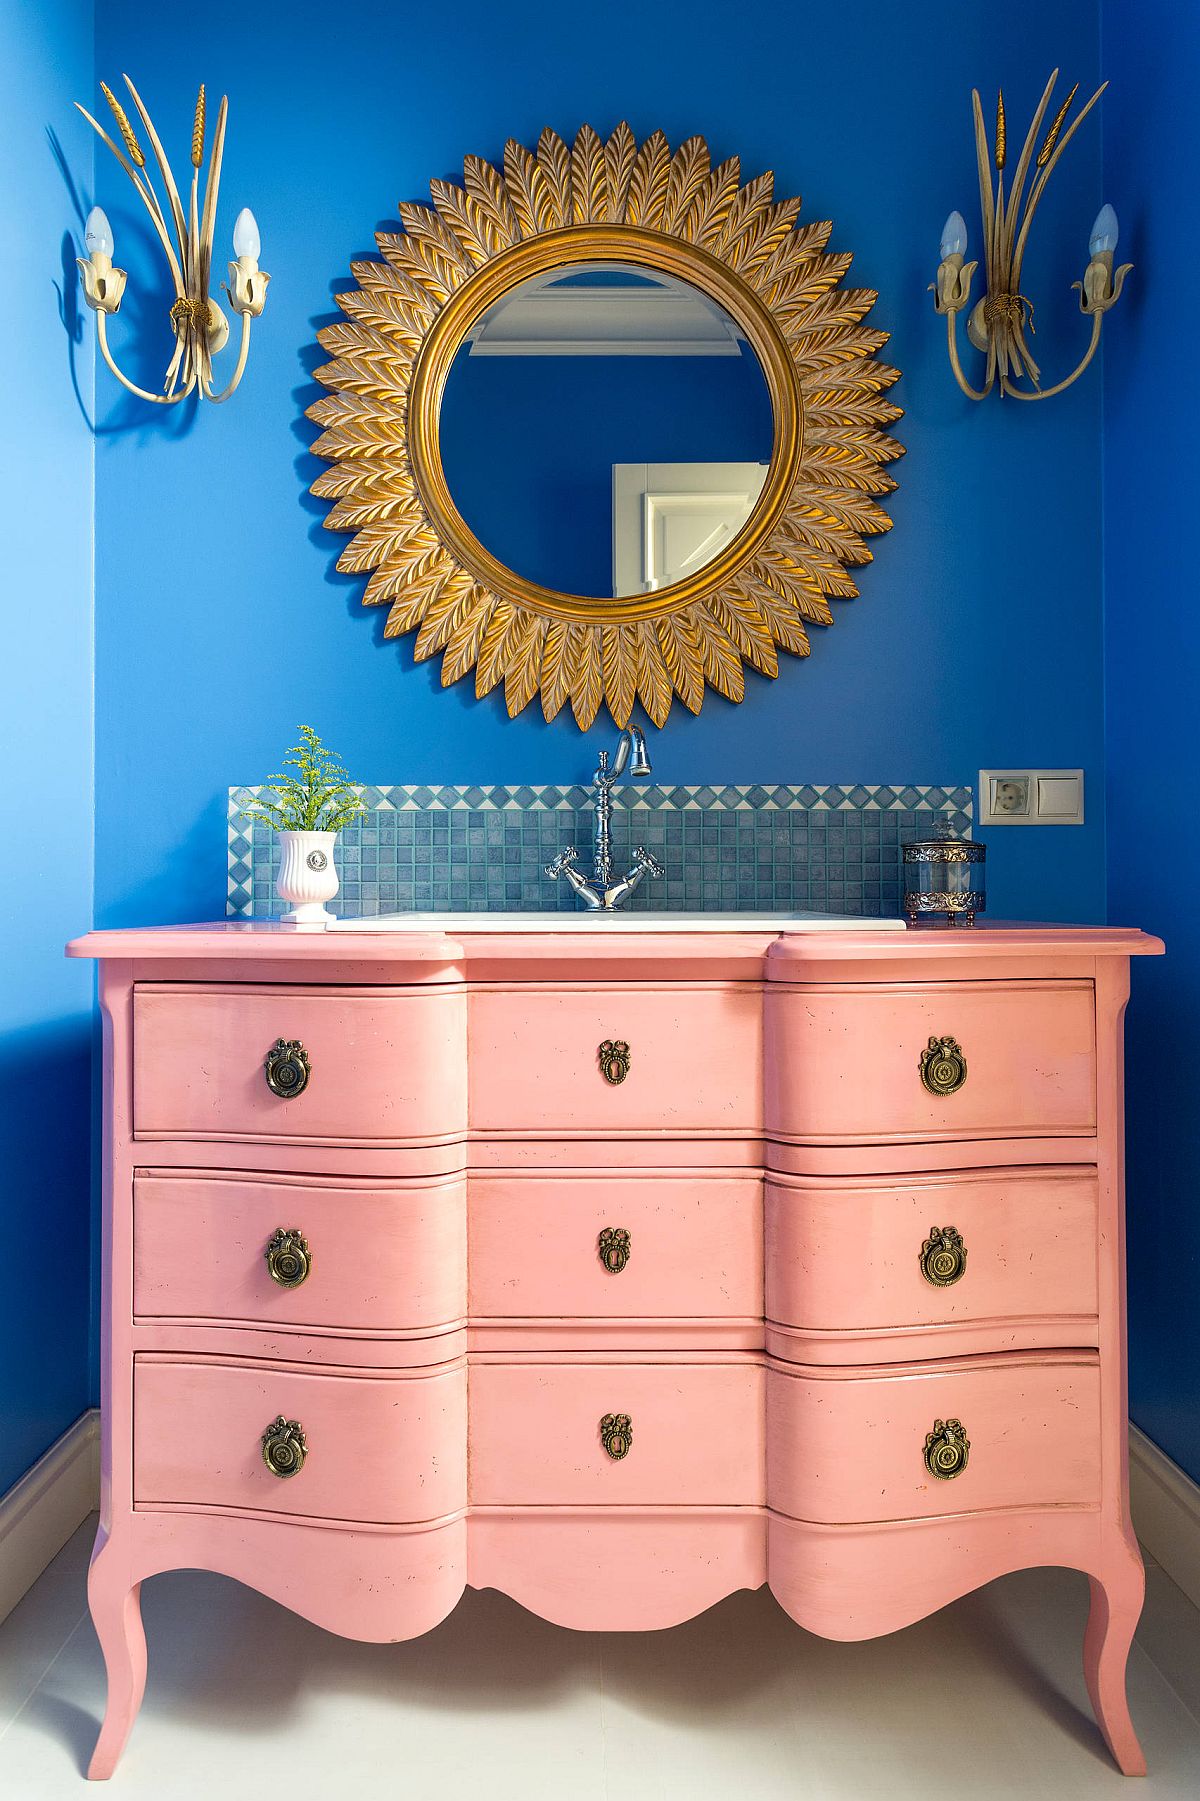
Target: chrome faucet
[[601, 893]]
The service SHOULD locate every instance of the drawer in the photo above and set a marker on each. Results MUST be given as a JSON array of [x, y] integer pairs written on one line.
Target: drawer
[[694, 1059], [375, 1256], [845, 1449], [695, 1431], [380, 1449], [677, 1247], [863, 1255], [844, 1064], [385, 1065]]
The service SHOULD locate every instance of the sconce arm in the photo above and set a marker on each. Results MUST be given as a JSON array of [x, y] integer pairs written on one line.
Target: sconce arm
[[1048, 393], [142, 393], [955, 364], [235, 378]]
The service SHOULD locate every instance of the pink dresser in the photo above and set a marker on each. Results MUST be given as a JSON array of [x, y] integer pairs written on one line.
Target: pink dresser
[[615, 1272]]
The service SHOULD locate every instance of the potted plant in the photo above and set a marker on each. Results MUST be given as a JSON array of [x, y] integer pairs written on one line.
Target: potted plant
[[308, 810]]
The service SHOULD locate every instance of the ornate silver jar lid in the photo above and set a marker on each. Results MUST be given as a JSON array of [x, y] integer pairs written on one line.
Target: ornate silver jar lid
[[945, 850]]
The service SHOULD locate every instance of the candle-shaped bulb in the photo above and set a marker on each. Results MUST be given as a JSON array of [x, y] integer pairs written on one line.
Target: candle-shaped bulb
[[245, 235], [954, 236], [1104, 231], [97, 233]]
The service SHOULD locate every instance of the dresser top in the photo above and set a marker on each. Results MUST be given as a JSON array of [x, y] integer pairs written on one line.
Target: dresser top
[[654, 951]]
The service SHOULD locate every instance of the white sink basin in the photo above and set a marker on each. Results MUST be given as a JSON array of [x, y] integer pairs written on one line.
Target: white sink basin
[[615, 922]]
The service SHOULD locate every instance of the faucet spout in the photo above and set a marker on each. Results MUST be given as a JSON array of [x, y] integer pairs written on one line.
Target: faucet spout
[[640, 768], [633, 738]]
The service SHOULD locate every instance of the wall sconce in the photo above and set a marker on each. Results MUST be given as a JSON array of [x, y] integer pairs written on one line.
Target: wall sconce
[[201, 328], [996, 324]]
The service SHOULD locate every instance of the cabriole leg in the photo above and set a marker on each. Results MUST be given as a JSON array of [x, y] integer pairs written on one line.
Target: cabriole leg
[[1112, 1619], [117, 1616]]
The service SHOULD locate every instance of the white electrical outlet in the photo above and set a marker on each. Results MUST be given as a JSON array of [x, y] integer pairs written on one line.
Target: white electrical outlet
[[1010, 795], [1030, 797]]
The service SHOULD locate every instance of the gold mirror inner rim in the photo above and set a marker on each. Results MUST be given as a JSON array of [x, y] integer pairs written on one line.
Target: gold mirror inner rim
[[585, 244]]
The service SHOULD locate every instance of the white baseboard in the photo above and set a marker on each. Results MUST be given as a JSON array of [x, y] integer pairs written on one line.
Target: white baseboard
[[41, 1511], [1165, 1504]]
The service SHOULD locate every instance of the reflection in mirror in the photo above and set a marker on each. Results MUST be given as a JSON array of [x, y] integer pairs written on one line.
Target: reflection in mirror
[[605, 430]]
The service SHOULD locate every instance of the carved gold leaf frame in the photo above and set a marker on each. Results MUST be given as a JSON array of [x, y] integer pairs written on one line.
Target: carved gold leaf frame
[[605, 202]]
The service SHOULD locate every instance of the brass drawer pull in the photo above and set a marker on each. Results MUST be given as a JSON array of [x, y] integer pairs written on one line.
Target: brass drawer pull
[[288, 1257], [283, 1447], [943, 1066], [614, 1060], [946, 1450], [287, 1068], [614, 1248], [943, 1256], [616, 1435]]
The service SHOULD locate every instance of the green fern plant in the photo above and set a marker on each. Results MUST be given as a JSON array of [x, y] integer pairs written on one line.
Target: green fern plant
[[318, 797]]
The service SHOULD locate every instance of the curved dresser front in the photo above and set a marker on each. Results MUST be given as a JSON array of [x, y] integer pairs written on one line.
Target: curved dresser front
[[616, 1273]]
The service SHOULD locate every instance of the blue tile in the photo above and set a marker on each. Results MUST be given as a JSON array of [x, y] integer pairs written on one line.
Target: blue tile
[[732, 847]]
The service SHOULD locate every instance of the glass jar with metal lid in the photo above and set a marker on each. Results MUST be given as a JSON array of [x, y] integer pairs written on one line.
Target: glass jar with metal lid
[[944, 876]]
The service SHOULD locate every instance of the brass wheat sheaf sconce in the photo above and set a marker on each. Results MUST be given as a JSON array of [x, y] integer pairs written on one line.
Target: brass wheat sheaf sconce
[[201, 328], [998, 323]]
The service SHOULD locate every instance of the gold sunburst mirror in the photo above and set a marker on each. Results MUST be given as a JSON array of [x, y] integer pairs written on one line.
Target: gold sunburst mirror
[[605, 263]]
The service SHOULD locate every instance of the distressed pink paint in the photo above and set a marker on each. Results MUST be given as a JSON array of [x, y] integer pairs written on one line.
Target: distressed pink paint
[[695, 1059], [384, 1256], [843, 1260], [695, 1246], [389, 1064], [1030, 1049], [699, 1433], [452, 1163], [845, 1444], [383, 1449]]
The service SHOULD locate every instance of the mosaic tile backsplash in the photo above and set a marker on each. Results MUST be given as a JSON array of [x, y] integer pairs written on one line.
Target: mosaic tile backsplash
[[731, 849]]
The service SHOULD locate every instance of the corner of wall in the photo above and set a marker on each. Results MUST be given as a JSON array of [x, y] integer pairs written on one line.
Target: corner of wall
[[93, 1369], [1103, 510]]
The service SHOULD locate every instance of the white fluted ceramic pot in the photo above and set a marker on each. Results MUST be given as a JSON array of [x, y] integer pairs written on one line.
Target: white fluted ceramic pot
[[307, 877]]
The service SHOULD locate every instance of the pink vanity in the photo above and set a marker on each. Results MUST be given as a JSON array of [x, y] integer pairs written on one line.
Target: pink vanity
[[615, 1270]]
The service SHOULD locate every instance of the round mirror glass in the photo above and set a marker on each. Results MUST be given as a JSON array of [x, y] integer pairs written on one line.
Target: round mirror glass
[[605, 430]]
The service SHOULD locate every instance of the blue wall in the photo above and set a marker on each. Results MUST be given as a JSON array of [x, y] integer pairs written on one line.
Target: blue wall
[[46, 715], [220, 620], [1153, 665]]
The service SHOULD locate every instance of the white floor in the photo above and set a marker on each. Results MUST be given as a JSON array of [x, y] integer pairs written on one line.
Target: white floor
[[244, 1701]]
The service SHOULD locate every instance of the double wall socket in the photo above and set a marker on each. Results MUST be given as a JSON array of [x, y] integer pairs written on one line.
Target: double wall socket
[[1031, 797]]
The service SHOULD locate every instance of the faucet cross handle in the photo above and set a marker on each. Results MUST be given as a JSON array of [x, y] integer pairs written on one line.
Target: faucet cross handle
[[563, 861], [644, 859], [564, 865]]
